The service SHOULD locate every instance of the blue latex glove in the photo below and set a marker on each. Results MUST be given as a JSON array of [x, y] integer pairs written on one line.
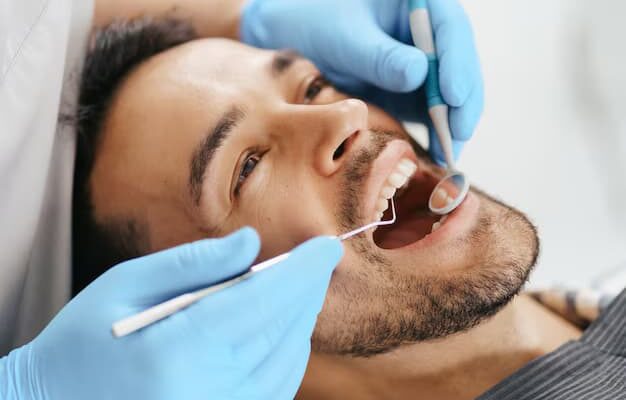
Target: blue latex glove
[[364, 45], [250, 341]]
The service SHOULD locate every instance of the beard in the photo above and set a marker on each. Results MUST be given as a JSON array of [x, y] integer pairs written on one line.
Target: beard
[[379, 308]]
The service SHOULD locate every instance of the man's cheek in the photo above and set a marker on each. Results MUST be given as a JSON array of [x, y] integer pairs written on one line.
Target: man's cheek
[[349, 262], [282, 231]]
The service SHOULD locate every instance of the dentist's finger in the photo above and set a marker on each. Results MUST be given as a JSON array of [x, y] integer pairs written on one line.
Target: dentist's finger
[[163, 275], [289, 359], [464, 119], [285, 355], [385, 62], [459, 67]]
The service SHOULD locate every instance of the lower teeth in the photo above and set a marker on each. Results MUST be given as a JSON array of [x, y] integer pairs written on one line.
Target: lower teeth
[[436, 226]]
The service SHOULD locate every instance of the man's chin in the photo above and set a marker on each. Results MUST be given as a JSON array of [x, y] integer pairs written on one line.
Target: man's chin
[[391, 291]]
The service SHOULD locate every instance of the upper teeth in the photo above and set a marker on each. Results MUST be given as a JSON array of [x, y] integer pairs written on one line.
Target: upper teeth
[[398, 178]]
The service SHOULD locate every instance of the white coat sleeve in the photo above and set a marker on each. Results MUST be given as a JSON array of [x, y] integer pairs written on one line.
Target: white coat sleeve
[[41, 47]]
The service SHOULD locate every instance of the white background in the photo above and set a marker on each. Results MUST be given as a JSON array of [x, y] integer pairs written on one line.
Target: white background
[[552, 140]]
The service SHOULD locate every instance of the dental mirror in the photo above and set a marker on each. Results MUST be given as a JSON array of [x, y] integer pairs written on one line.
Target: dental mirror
[[449, 193], [452, 189]]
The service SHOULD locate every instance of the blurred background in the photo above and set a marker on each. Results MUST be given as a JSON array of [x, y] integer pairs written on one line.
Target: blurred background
[[552, 140]]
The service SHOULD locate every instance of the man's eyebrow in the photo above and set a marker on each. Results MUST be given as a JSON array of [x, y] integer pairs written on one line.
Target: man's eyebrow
[[283, 59], [204, 153]]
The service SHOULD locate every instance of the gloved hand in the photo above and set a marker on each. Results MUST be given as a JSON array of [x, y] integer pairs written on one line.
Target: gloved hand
[[364, 45], [250, 341]]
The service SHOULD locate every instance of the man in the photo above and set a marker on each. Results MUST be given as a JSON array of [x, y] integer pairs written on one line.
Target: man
[[75, 356], [189, 139]]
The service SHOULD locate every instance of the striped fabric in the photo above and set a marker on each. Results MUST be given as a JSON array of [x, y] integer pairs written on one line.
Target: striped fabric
[[579, 306], [582, 305], [591, 368]]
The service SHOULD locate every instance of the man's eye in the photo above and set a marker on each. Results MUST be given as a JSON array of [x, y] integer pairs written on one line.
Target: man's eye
[[246, 169], [315, 88]]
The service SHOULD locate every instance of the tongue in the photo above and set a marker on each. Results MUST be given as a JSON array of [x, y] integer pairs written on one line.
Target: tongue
[[407, 230]]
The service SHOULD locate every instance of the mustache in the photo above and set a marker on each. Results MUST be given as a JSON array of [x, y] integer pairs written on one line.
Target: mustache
[[355, 175]]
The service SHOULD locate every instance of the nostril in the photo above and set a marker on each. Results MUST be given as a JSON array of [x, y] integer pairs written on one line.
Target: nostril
[[340, 150], [345, 146]]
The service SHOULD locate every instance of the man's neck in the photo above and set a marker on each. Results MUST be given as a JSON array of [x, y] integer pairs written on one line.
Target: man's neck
[[461, 366]]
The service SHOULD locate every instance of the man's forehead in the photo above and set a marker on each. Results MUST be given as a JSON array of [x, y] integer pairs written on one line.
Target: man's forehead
[[217, 61], [194, 79]]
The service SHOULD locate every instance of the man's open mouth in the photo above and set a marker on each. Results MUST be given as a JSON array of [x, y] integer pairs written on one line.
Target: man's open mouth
[[414, 219], [398, 173]]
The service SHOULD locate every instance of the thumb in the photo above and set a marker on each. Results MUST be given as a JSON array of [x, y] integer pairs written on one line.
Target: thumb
[[190, 266], [387, 63]]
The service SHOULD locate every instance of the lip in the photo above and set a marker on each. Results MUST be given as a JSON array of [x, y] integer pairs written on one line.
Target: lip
[[458, 224], [380, 170]]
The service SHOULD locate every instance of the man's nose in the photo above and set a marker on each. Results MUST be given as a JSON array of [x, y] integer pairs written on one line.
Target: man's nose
[[330, 131]]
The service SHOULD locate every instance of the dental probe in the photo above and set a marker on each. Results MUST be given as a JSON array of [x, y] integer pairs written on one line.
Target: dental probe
[[452, 189], [156, 313]]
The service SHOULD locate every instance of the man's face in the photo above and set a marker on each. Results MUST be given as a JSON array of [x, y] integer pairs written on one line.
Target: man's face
[[214, 135]]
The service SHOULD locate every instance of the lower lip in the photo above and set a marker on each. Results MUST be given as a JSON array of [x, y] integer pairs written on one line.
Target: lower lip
[[458, 224]]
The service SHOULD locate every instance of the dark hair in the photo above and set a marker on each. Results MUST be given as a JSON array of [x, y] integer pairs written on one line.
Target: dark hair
[[114, 51]]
